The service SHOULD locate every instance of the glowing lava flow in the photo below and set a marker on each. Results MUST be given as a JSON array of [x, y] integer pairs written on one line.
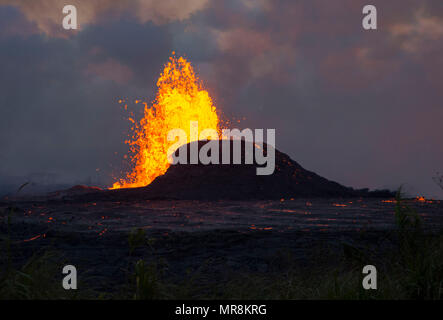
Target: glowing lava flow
[[180, 99]]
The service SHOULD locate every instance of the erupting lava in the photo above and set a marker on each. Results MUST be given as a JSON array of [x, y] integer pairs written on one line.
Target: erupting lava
[[180, 99]]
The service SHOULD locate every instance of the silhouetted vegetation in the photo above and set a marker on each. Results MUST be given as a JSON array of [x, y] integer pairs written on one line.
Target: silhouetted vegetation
[[438, 179], [410, 268]]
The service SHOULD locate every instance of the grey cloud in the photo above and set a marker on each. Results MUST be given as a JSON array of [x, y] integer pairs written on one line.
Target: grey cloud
[[47, 14], [58, 118], [361, 108]]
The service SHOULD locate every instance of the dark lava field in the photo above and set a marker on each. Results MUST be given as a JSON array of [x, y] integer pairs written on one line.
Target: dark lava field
[[188, 235]]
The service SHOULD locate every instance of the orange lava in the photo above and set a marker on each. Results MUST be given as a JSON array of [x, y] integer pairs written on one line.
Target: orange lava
[[339, 205], [389, 201], [35, 238], [180, 99]]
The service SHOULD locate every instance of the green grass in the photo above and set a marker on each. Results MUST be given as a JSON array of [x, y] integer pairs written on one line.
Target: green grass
[[38, 278], [411, 268], [34, 280], [420, 255]]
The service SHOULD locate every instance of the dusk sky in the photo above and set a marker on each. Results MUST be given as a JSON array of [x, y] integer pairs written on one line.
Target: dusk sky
[[363, 108]]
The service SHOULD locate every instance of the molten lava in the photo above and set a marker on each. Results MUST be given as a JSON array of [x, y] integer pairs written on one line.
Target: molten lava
[[180, 99]]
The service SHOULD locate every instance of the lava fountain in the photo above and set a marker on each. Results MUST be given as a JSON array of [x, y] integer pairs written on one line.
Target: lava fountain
[[180, 99]]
